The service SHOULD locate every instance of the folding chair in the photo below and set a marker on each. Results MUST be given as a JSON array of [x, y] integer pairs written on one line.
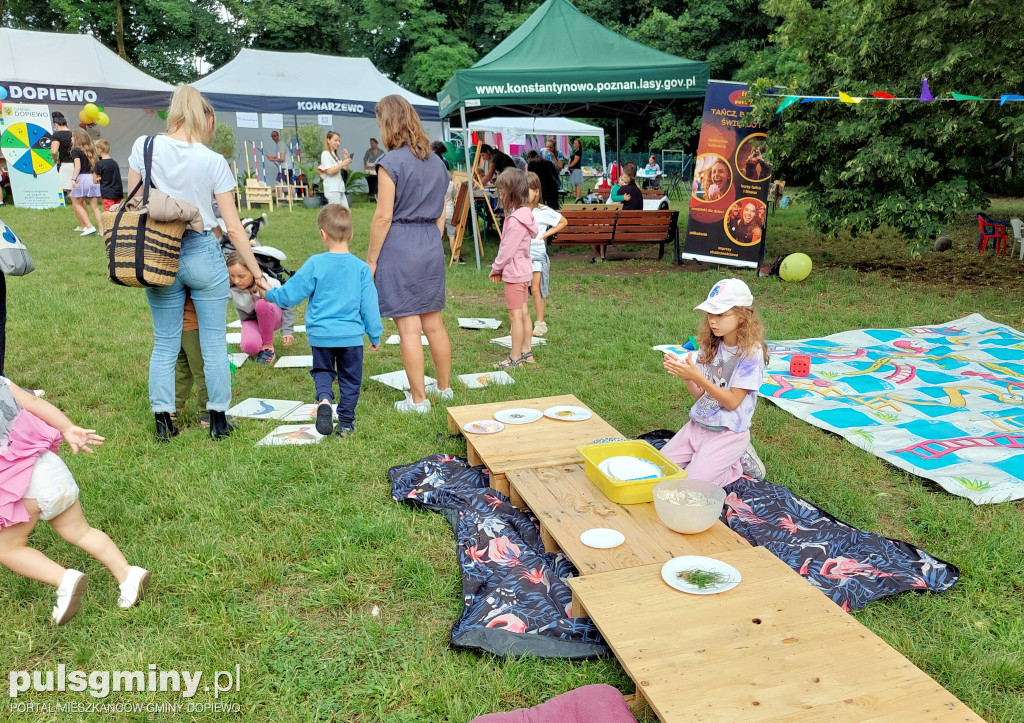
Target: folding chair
[[991, 230], [1017, 239]]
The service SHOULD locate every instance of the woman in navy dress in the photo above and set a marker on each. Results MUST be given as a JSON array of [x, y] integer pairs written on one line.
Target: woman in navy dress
[[406, 252]]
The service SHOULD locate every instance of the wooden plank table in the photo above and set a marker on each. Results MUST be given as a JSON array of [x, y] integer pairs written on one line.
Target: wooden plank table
[[772, 648], [567, 503], [521, 446]]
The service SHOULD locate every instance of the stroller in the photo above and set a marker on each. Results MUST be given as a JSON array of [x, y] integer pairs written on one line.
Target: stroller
[[268, 258]]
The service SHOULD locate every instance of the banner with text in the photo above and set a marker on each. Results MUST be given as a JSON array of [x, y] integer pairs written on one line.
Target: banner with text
[[728, 199], [25, 137]]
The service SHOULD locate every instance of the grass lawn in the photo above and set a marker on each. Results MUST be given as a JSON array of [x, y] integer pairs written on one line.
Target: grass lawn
[[336, 602]]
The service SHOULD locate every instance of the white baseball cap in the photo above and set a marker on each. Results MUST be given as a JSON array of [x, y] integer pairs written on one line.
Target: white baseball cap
[[726, 294]]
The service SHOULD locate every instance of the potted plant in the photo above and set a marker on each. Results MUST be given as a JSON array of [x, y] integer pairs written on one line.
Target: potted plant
[[311, 142]]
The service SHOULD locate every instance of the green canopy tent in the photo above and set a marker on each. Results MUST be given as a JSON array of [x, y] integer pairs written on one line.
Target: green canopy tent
[[562, 63]]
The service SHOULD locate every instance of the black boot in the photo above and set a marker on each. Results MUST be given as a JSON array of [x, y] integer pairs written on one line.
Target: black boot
[[220, 427], [165, 428]]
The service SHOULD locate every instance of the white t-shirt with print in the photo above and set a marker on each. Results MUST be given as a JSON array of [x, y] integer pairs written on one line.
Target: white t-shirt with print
[[727, 370], [188, 172]]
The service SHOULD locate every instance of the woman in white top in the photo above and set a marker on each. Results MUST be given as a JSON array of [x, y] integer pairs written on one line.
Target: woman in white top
[[187, 170], [331, 167]]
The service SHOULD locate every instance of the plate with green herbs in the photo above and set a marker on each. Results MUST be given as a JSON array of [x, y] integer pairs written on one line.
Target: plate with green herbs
[[700, 575]]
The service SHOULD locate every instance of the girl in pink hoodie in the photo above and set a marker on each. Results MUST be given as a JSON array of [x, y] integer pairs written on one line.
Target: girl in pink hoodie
[[513, 265]]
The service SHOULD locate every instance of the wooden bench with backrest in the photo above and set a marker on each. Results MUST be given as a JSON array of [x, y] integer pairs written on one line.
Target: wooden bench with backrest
[[611, 227]]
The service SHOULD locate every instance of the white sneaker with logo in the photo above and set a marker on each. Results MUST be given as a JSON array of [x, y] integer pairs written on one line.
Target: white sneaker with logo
[[752, 464]]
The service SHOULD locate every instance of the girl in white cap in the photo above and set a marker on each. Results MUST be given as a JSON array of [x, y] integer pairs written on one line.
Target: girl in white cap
[[724, 378]]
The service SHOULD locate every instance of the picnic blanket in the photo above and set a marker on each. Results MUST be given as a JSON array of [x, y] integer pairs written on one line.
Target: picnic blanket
[[515, 599], [945, 402], [851, 566]]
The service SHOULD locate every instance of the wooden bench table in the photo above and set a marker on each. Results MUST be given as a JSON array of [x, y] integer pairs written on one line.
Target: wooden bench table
[[542, 443], [567, 503], [771, 649]]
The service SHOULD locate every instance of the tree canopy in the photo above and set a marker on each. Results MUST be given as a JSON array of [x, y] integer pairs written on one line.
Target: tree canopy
[[911, 165]]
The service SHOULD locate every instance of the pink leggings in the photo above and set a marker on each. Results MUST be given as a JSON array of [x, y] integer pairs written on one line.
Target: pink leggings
[[708, 455], [260, 333]]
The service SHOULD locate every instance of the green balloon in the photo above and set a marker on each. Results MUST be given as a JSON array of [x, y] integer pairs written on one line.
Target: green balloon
[[795, 267]]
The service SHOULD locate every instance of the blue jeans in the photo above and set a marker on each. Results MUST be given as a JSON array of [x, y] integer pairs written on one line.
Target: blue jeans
[[205, 274]]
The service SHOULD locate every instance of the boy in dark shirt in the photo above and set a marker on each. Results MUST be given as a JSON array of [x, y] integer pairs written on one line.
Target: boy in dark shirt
[[108, 175]]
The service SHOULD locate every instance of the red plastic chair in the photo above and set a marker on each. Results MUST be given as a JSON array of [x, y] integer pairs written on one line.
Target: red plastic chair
[[991, 230]]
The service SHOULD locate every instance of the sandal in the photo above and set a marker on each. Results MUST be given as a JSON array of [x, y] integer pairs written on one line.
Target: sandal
[[527, 358], [508, 363]]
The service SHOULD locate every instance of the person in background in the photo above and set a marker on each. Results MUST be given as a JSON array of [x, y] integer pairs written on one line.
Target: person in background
[[631, 195], [107, 174], [331, 167], [60, 148], [549, 222], [279, 157], [370, 159], [576, 170], [548, 175], [551, 154], [84, 188], [654, 172], [512, 266], [496, 162]]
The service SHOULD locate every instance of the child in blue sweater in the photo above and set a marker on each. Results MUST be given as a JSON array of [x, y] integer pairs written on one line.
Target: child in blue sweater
[[342, 307]]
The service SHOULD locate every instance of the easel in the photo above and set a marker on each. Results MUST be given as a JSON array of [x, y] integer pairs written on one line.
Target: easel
[[477, 183], [460, 216]]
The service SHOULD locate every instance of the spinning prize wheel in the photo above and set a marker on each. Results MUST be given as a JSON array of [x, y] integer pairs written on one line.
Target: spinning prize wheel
[[26, 147]]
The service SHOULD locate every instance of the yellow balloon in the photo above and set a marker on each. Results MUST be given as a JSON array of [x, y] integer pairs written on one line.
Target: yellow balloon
[[84, 116], [102, 119], [795, 267], [92, 111]]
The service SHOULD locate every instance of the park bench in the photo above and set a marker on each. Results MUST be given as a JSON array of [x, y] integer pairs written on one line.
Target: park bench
[[616, 227]]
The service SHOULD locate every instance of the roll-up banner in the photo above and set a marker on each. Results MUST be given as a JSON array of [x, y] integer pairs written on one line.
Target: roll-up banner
[[728, 199], [25, 137]]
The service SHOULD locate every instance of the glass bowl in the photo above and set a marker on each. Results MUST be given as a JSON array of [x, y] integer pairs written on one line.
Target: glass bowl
[[688, 505]]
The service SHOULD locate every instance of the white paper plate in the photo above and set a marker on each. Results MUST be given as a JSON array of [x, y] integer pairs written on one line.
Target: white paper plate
[[602, 538], [520, 415], [671, 569], [483, 426], [568, 413], [631, 469]]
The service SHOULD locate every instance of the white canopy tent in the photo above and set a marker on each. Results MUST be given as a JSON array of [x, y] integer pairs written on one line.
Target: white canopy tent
[[306, 89], [67, 71], [512, 128]]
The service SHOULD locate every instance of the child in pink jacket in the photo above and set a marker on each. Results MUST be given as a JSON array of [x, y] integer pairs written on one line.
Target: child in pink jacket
[[513, 265]]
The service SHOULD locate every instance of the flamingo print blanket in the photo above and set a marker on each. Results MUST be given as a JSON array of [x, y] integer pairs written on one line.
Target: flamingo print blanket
[[944, 402], [515, 599]]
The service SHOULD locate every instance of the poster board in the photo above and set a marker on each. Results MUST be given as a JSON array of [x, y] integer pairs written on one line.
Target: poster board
[[25, 137], [728, 198]]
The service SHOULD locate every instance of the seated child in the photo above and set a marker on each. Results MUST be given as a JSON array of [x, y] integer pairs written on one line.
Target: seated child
[[260, 317], [35, 483], [189, 368], [342, 307]]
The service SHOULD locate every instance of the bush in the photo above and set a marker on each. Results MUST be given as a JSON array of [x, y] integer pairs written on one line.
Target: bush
[[223, 141]]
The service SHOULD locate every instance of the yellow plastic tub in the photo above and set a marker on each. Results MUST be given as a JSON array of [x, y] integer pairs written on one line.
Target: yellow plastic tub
[[620, 491]]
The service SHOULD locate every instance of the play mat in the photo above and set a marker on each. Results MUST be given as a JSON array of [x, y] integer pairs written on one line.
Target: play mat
[[945, 402]]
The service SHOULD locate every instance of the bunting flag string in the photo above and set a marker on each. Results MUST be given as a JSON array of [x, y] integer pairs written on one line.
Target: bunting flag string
[[925, 97]]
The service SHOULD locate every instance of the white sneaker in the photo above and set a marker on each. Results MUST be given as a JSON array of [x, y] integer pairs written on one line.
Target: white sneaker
[[133, 587], [752, 464], [78, 228], [540, 328], [408, 405], [442, 394], [89, 231], [69, 596]]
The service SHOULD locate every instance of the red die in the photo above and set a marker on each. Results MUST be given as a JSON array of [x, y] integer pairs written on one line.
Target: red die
[[800, 365]]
